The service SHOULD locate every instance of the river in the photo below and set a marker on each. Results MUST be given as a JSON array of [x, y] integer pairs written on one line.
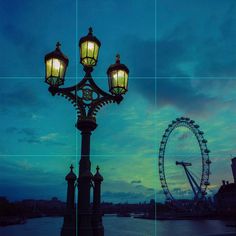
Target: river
[[120, 226]]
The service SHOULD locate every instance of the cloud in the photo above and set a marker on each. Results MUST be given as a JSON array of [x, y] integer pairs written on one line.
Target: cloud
[[182, 95], [29, 135], [136, 182], [29, 181], [19, 99], [184, 136], [27, 131], [11, 129], [123, 197], [50, 139], [192, 52], [121, 191], [164, 91]]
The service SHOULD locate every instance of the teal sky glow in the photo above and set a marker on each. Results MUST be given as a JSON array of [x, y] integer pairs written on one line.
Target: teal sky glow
[[182, 61]]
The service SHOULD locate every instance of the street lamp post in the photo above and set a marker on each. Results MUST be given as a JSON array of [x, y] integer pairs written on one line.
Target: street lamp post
[[88, 98]]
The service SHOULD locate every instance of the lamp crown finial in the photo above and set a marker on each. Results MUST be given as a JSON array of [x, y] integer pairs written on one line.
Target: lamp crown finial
[[90, 30], [71, 167], [117, 58], [58, 45], [97, 168]]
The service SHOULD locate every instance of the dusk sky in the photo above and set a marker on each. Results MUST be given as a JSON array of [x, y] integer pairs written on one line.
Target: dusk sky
[[182, 61]]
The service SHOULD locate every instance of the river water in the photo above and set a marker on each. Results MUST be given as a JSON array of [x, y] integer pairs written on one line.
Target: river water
[[120, 226]]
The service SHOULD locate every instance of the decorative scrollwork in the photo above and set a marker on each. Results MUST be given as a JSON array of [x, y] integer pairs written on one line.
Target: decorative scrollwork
[[87, 97], [87, 94]]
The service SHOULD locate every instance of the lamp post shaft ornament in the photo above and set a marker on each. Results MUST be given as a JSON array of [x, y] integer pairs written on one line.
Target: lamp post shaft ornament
[[87, 98]]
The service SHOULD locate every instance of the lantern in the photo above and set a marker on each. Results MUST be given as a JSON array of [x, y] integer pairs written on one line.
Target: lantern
[[118, 77], [89, 49], [56, 63]]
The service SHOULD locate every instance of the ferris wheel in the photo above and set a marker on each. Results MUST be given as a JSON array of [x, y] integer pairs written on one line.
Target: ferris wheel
[[198, 187]]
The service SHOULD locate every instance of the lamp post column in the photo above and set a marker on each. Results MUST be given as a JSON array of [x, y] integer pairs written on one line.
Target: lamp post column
[[87, 98], [84, 219]]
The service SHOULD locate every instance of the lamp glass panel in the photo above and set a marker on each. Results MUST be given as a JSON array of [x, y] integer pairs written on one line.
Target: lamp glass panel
[[90, 48], [48, 68], [83, 50], [118, 81], [89, 53], [121, 78], [96, 51], [56, 65], [62, 70], [114, 78], [126, 80]]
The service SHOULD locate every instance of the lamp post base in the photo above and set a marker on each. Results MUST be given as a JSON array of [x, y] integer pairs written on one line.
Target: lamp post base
[[98, 229], [84, 223], [86, 232]]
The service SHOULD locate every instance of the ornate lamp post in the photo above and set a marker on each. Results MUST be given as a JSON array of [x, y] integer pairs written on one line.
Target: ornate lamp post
[[88, 98]]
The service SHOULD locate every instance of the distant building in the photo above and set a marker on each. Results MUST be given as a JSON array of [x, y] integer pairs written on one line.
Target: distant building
[[233, 165], [225, 198]]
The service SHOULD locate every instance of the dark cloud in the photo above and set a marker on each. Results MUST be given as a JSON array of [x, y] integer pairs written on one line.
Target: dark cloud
[[11, 129], [141, 61], [20, 98], [139, 186], [180, 94], [17, 36], [227, 27], [121, 191], [35, 139], [123, 196], [180, 193], [185, 54], [31, 136], [165, 55], [150, 189], [163, 91], [136, 182], [29, 181], [184, 136], [27, 131]]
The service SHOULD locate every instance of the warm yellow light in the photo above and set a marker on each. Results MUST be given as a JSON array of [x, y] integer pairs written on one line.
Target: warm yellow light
[[89, 53], [119, 81], [56, 64], [90, 46], [118, 77]]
